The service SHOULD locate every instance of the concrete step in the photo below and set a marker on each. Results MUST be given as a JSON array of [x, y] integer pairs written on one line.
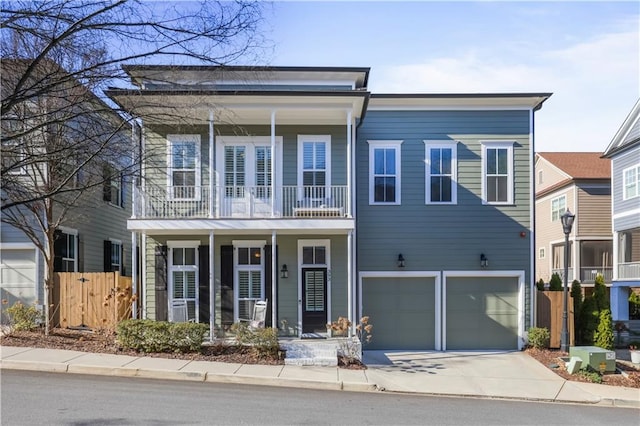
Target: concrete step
[[311, 353]]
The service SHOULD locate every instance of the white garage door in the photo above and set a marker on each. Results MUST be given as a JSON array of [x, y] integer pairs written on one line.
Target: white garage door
[[18, 275]]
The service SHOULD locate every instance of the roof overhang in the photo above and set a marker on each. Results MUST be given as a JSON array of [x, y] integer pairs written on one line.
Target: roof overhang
[[187, 74], [458, 101], [241, 107]]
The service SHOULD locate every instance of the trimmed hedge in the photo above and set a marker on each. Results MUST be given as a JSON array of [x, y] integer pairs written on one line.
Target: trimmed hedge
[[161, 336]]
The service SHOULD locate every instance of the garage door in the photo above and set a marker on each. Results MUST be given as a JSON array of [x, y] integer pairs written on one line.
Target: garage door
[[18, 275], [481, 313], [402, 311]]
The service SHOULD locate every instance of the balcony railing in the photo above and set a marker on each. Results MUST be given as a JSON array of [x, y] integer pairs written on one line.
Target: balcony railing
[[588, 274], [629, 270], [186, 202]]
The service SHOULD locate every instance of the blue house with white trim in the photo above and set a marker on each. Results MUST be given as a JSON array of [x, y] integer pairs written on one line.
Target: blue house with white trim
[[299, 186], [624, 152]]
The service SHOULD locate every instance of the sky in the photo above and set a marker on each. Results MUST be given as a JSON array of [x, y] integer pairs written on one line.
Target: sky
[[586, 53]]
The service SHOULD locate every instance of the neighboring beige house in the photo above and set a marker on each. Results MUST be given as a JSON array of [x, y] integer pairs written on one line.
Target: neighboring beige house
[[580, 182]]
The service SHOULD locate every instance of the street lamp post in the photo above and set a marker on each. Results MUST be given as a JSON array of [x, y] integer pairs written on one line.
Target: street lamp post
[[567, 223]]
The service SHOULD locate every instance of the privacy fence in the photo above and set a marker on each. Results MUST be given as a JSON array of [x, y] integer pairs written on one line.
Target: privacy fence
[[549, 308], [91, 300]]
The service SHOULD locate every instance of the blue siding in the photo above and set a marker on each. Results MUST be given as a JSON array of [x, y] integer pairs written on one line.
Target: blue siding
[[445, 237], [619, 163]]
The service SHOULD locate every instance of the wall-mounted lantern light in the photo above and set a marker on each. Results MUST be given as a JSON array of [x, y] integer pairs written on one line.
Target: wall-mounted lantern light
[[400, 261], [284, 272], [484, 262]]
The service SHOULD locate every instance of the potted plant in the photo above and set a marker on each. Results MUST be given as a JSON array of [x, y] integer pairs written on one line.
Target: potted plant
[[634, 351]]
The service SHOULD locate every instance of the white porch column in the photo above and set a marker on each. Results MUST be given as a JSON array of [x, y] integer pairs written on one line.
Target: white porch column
[[212, 180], [274, 277], [350, 283], [134, 274], [616, 250], [212, 287], [273, 166], [349, 165], [143, 251]]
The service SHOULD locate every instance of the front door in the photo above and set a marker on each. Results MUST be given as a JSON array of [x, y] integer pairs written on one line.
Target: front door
[[314, 300]]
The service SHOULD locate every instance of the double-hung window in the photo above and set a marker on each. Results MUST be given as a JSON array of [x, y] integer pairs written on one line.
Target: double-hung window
[[65, 247], [631, 182], [558, 207], [184, 166], [183, 280], [497, 172], [314, 166], [384, 172], [441, 169], [113, 186]]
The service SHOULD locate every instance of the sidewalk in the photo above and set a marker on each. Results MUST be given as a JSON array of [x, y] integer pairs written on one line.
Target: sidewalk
[[508, 375]]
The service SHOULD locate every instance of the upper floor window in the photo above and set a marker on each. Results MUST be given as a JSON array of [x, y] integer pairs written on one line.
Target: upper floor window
[[113, 186], [558, 207], [631, 178], [184, 166], [441, 167], [497, 172], [314, 165], [384, 172]]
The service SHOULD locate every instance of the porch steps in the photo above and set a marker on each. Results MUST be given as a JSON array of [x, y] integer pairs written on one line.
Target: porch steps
[[311, 352]]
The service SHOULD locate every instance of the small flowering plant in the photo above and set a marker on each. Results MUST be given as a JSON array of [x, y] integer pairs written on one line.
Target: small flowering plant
[[351, 347]]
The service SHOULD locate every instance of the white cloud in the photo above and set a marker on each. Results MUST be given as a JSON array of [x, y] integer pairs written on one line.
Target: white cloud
[[595, 84]]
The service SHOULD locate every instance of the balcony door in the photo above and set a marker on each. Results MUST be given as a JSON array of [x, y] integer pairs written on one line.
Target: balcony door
[[245, 166]]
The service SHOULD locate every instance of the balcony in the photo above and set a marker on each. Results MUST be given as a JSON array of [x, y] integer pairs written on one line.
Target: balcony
[[629, 271], [242, 202], [588, 274]]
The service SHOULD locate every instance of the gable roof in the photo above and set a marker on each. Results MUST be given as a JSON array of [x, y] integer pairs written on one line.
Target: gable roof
[[629, 133], [580, 165]]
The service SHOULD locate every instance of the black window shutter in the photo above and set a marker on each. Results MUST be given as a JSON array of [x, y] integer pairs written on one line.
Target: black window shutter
[[123, 190], [106, 184], [122, 268], [161, 283], [59, 245], [107, 256], [226, 282], [203, 283], [268, 282]]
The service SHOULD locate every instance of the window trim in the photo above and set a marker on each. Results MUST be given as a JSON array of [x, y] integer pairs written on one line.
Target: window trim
[[74, 233], [189, 138], [558, 198], [441, 144], [637, 182], [328, 171], [385, 144], [120, 254], [494, 144]]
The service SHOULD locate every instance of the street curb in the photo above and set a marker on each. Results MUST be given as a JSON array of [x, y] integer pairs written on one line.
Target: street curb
[[202, 376], [52, 367]]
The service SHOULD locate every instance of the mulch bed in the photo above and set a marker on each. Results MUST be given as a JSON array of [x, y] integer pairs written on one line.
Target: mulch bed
[[105, 342], [627, 375]]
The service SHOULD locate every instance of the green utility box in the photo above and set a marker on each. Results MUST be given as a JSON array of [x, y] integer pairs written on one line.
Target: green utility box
[[594, 357]]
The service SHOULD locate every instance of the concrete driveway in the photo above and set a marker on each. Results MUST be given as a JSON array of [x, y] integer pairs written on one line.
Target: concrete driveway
[[470, 373]]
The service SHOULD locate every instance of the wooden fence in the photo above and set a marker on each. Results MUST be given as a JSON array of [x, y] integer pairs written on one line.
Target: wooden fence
[[549, 308], [91, 300]]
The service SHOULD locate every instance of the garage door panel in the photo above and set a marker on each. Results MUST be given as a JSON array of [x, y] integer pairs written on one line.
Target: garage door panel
[[402, 311], [482, 313], [18, 275]]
